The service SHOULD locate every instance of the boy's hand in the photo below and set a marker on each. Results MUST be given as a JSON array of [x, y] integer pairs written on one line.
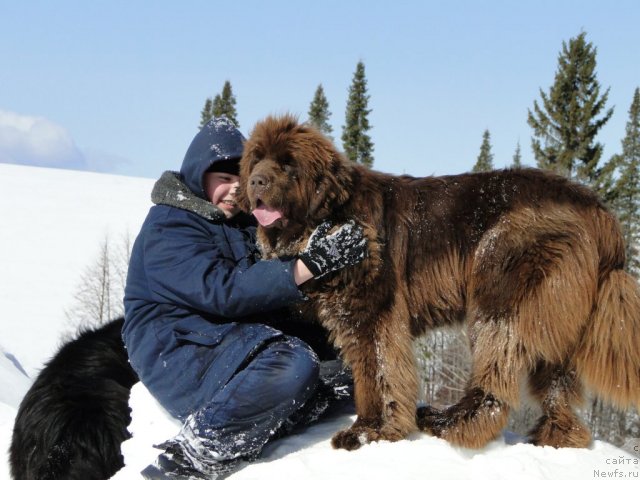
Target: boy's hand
[[326, 253]]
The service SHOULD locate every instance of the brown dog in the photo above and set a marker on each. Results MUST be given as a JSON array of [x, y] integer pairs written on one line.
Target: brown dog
[[531, 262]]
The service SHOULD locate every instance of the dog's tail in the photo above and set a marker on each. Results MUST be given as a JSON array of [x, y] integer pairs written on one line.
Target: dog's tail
[[74, 417], [608, 355]]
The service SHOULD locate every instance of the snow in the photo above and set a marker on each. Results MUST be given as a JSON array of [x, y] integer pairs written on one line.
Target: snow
[[53, 222], [17, 381], [308, 454]]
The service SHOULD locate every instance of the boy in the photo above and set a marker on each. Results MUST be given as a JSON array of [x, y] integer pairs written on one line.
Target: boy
[[200, 309]]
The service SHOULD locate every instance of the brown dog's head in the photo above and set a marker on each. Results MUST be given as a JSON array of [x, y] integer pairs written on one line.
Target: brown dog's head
[[291, 174]]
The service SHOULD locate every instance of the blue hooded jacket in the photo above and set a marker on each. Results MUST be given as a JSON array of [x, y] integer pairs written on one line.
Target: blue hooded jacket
[[194, 281]]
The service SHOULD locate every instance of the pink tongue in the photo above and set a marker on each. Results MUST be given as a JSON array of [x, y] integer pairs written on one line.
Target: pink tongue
[[266, 215]]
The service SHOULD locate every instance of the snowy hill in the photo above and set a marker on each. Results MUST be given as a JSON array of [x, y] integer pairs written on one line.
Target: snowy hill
[[53, 224]]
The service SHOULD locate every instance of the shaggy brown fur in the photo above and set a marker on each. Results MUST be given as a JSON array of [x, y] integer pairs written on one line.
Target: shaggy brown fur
[[530, 262]]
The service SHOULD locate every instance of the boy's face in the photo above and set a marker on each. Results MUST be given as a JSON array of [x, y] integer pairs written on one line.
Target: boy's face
[[221, 191]]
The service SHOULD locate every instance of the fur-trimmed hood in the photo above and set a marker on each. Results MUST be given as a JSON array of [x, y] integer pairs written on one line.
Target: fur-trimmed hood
[[171, 190]]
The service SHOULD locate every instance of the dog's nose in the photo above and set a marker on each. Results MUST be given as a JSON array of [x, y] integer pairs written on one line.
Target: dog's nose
[[258, 181]]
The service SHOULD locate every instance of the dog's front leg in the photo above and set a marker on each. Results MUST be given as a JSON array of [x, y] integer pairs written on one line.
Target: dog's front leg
[[367, 398], [384, 373], [493, 389]]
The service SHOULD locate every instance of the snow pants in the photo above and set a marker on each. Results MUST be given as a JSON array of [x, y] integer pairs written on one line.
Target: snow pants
[[244, 414], [233, 385]]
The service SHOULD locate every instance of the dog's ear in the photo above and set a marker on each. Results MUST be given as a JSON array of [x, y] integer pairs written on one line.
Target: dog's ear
[[249, 153], [332, 189], [242, 199]]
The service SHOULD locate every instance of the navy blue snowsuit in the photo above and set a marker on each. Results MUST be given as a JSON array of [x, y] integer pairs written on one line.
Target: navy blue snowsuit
[[197, 304]]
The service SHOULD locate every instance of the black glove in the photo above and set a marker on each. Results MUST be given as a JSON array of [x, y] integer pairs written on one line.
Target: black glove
[[328, 253]]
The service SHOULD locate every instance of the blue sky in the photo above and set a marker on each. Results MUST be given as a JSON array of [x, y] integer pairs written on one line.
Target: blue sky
[[118, 86]]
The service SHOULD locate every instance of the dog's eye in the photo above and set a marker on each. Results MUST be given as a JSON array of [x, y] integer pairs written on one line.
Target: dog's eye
[[289, 169], [253, 162]]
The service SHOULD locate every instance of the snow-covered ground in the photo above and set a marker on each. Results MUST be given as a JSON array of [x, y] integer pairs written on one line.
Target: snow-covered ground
[[53, 222], [308, 455]]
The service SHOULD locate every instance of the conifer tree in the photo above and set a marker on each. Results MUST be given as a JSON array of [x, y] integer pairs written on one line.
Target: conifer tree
[[207, 112], [217, 109], [566, 123], [319, 112], [627, 186], [356, 142], [485, 158], [517, 158], [225, 104]]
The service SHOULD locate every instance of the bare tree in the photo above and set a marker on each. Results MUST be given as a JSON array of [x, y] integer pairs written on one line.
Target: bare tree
[[444, 364], [98, 296], [611, 424]]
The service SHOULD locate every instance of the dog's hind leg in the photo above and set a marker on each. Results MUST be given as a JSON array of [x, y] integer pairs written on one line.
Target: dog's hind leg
[[530, 296], [558, 390]]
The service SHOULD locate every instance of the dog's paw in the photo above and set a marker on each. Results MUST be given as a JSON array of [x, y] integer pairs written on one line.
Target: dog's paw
[[357, 436], [471, 423], [351, 438], [568, 432], [432, 420]]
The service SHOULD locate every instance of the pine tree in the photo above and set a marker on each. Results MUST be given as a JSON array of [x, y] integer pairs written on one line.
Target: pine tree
[[207, 112], [517, 158], [319, 112], [485, 158], [627, 186], [566, 124], [217, 109], [356, 142], [225, 104]]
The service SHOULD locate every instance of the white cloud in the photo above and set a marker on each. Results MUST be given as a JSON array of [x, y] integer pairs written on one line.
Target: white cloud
[[30, 140]]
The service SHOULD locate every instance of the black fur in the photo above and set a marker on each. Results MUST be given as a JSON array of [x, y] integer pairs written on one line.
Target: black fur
[[74, 417]]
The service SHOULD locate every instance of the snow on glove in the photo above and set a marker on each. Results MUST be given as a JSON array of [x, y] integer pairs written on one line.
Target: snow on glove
[[328, 253]]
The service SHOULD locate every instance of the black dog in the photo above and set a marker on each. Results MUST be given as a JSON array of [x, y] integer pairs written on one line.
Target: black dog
[[74, 417]]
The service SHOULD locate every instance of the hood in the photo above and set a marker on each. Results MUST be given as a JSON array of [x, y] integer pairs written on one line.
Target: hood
[[218, 141]]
